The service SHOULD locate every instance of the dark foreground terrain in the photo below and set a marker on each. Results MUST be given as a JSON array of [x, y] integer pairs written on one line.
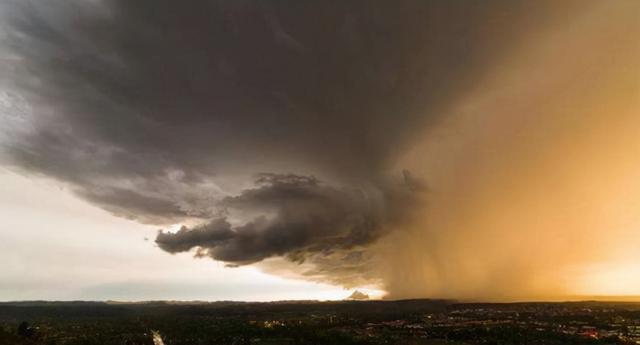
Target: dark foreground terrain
[[424, 322]]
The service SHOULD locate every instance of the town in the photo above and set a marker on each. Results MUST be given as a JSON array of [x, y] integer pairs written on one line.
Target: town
[[427, 322]]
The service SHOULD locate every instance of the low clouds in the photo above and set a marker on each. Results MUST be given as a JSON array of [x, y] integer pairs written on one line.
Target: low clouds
[[294, 216]]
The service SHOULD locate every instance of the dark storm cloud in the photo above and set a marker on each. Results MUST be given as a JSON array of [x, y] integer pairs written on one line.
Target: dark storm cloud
[[290, 215], [211, 234], [160, 110]]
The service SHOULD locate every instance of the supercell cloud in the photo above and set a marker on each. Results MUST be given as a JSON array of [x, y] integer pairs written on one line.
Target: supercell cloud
[[271, 129], [166, 113]]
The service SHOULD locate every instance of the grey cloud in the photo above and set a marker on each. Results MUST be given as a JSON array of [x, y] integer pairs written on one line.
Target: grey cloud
[[292, 215], [211, 234], [161, 111]]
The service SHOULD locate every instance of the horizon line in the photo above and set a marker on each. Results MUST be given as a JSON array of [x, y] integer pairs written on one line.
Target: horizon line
[[567, 299]]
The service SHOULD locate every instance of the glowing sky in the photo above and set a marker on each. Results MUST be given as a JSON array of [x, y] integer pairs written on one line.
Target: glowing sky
[[470, 150]]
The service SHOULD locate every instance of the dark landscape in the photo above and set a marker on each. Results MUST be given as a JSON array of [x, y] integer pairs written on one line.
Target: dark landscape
[[308, 322]]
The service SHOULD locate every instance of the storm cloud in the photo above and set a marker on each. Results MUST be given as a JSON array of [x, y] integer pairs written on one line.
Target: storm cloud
[[290, 215], [165, 112], [270, 129]]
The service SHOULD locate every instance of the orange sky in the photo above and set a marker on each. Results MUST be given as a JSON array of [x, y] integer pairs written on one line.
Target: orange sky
[[535, 174]]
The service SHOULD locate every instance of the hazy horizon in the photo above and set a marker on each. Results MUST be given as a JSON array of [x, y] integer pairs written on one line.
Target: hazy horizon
[[569, 299]]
